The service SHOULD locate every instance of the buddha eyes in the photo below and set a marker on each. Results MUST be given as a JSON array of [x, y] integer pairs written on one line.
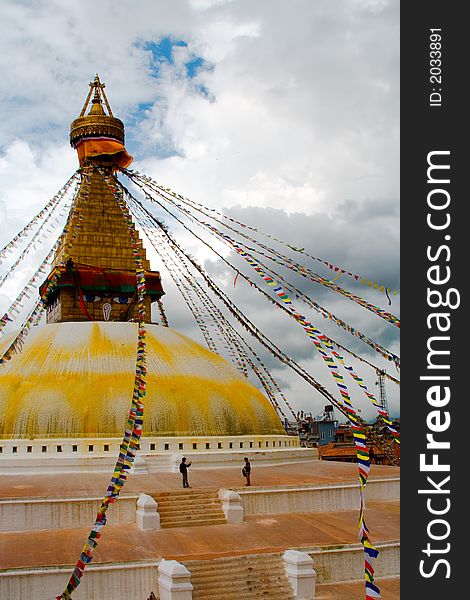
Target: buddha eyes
[[121, 299], [116, 299]]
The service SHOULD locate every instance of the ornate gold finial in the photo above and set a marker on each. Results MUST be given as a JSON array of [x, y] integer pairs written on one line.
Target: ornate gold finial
[[97, 107], [96, 123]]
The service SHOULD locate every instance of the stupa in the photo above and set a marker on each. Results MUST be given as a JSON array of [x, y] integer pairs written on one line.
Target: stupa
[[64, 401], [65, 397]]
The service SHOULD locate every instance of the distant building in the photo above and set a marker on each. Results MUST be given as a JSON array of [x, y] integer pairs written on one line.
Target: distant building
[[343, 449], [319, 430]]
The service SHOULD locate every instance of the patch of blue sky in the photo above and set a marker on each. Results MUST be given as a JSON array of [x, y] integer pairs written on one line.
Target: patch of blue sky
[[193, 66], [203, 91], [139, 113], [144, 106], [162, 51], [139, 149]]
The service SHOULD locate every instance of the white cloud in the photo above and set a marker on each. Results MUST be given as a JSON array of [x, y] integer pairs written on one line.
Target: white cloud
[[29, 177]]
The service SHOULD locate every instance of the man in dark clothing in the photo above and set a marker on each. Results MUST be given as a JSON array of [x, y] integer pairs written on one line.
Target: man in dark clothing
[[184, 471], [246, 471]]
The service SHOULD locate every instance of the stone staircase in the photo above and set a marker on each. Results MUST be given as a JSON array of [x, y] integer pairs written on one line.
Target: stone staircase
[[240, 578], [189, 508]]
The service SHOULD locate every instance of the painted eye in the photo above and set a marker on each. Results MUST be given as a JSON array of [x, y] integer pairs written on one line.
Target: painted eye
[[91, 298], [122, 299]]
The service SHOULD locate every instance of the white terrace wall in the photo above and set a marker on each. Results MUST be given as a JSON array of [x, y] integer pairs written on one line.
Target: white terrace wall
[[309, 498], [54, 513], [102, 582], [23, 456], [344, 563]]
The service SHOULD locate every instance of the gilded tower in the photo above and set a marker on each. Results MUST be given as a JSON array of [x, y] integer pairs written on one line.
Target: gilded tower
[[93, 273]]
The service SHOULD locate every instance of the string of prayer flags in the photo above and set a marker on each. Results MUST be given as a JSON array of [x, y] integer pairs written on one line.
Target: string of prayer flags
[[326, 314], [27, 228], [29, 287], [17, 343], [316, 278], [161, 310], [369, 551], [72, 226], [38, 237], [322, 311], [360, 382]]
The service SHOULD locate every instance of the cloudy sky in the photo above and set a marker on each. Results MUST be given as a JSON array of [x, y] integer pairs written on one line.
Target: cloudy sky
[[285, 115]]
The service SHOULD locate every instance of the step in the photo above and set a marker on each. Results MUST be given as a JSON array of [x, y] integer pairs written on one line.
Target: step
[[189, 508], [184, 496], [272, 595], [189, 511], [250, 594], [278, 593], [258, 556], [262, 573], [180, 498], [253, 577], [185, 505], [208, 570], [191, 518], [257, 580], [200, 504], [188, 492], [198, 523], [247, 560]]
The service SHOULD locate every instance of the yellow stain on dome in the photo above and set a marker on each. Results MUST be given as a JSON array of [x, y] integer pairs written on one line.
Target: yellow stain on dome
[[76, 379]]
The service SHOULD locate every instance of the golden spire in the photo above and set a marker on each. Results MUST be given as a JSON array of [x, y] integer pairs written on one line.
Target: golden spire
[[96, 123], [96, 106], [99, 95]]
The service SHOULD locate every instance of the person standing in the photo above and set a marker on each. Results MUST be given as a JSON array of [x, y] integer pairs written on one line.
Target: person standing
[[246, 471], [184, 471]]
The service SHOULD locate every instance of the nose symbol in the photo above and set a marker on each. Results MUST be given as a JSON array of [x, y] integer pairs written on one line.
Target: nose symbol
[[106, 311]]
